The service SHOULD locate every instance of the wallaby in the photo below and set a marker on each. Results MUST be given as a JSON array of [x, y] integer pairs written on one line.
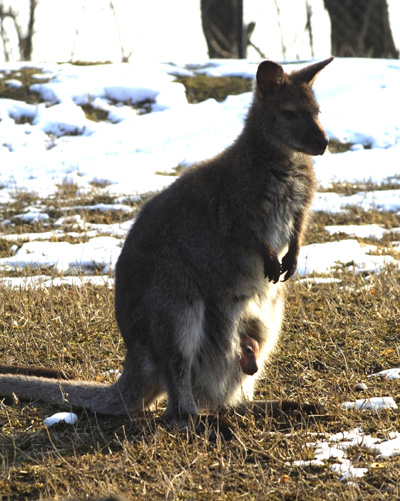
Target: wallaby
[[203, 262], [249, 352]]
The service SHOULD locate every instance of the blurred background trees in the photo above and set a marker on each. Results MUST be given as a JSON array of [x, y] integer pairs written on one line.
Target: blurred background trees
[[24, 36], [358, 27], [189, 30], [361, 28]]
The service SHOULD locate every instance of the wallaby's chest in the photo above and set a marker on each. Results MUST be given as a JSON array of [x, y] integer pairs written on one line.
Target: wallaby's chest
[[283, 198]]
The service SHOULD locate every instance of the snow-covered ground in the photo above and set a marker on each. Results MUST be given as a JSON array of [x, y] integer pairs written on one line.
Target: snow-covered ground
[[131, 152], [335, 447]]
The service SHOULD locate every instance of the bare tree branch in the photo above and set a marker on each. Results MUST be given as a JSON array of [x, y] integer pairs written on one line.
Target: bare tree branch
[[124, 57], [25, 42]]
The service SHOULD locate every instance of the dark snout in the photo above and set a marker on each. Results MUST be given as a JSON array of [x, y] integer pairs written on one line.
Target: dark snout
[[314, 141], [252, 369], [319, 144]]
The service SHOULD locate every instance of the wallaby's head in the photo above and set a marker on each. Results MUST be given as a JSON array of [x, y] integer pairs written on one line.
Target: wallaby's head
[[286, 109]]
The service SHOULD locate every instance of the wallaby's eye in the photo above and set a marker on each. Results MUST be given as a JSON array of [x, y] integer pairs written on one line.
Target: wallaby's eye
[[290, 114]]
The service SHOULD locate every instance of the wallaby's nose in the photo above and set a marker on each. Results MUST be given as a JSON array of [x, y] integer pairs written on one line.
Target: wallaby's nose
[[321, 143]]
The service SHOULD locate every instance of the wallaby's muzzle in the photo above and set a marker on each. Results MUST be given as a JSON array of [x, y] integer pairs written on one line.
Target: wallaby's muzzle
[[319, 144], [315, 141]]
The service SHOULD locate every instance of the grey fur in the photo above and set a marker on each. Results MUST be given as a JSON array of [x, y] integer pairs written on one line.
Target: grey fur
[[203, 261]]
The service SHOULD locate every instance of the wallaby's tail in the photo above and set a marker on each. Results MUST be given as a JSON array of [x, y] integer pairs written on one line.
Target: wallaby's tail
[[97, 397], [47, 372]]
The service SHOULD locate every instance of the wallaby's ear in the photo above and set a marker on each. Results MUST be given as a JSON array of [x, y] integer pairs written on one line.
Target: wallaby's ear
[[270, 76], [310, 73]]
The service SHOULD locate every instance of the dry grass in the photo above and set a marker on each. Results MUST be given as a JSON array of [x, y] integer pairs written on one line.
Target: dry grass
[[352, 215], [334, 335], [347, 189], [202, 87], [26, 76]]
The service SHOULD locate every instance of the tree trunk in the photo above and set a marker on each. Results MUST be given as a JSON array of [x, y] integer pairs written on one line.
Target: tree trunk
[[361, 28], [223, 28], [26, 42]]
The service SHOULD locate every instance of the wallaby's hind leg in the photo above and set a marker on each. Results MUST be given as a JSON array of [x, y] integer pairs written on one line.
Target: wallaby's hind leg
[[182, 324], [181, 403], [150, 373]]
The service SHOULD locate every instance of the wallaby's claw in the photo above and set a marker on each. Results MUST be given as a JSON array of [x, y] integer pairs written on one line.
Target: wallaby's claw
[[287, 273], [288, 267], [272, 270]]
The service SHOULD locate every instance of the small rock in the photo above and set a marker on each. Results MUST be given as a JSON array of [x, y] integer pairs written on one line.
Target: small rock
[[361, 387]]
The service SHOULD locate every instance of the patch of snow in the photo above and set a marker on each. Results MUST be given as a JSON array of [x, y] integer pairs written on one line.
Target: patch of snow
[[67, 417], [61, 119], [14, 84], [322, 258], [97, 254], [387, 200], [388, 373], [361, 231], [335, 446], [17, 109], [319, 280], [371, 404], [389, 448], [45, 282], [32, 216], [348, 471]]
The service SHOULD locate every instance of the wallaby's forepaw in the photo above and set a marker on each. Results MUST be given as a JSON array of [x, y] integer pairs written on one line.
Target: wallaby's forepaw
[[272, 269], [288, 267]]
